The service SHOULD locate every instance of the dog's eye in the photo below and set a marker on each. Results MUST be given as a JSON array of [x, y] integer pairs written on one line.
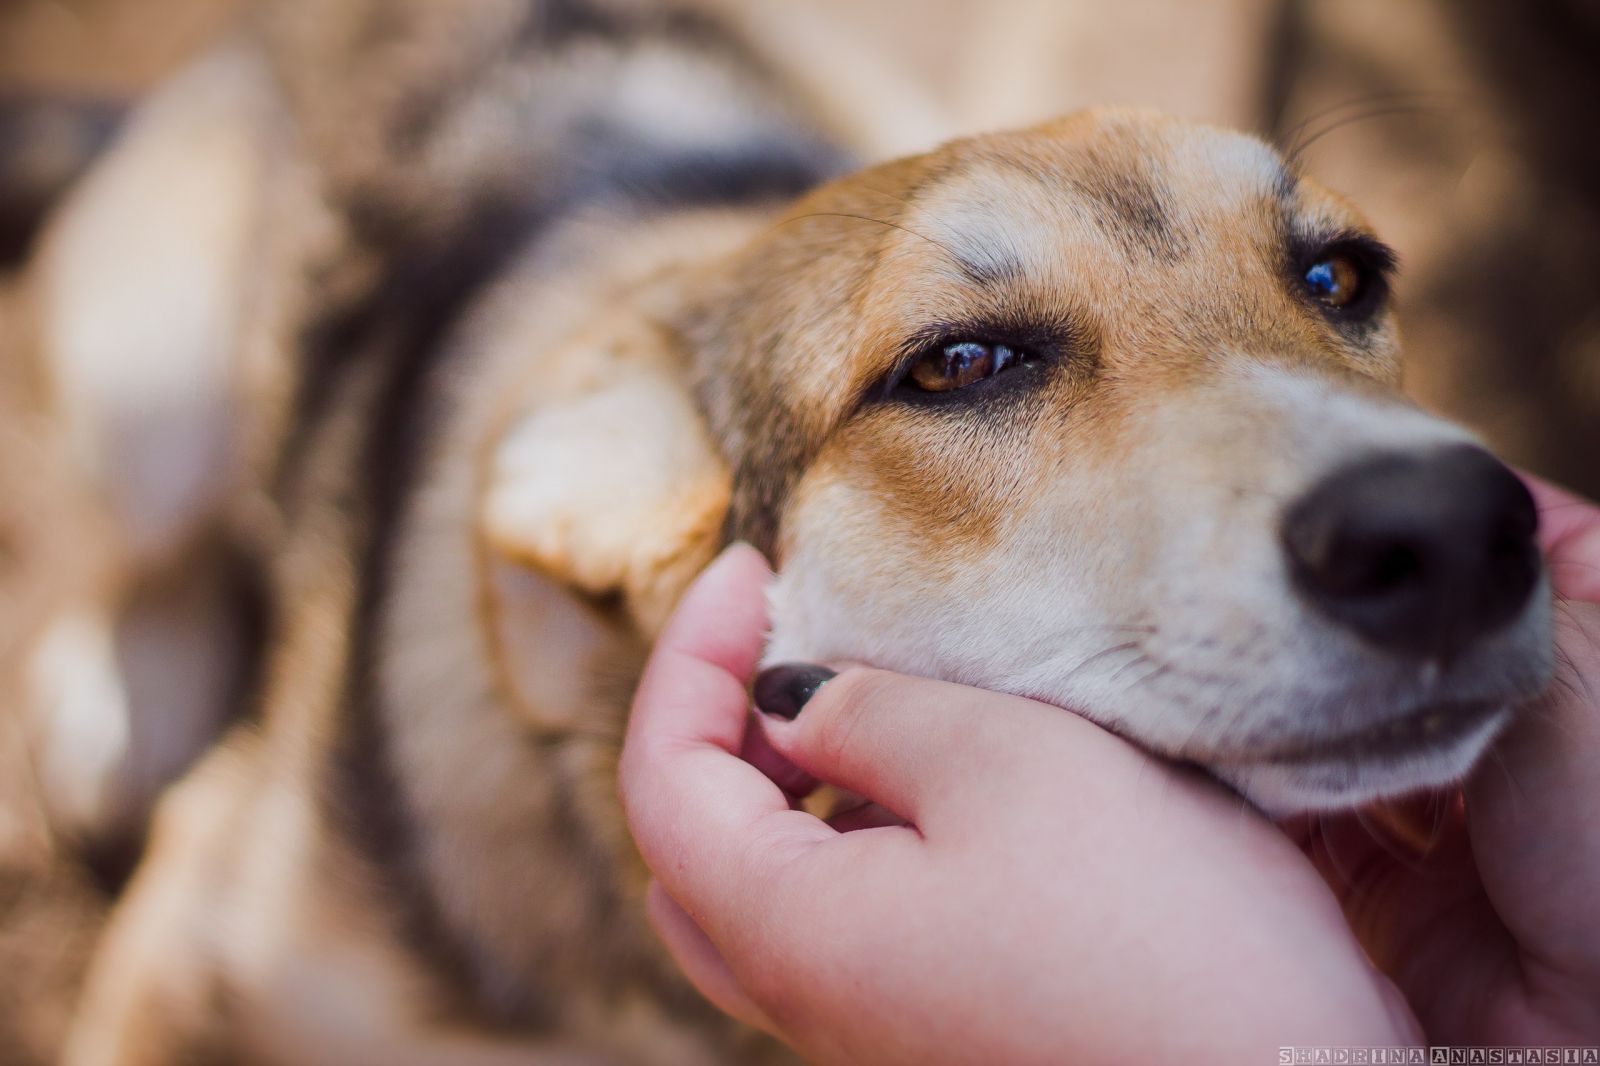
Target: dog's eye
[[1346, 276], [1337, 280], [956, 366]]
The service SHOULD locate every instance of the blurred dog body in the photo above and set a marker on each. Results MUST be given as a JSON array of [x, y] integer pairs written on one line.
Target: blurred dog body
[[489, 327], [316, 368]]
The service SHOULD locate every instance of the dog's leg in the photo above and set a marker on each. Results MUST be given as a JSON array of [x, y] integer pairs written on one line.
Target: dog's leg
[[222, 951], [150, 993]]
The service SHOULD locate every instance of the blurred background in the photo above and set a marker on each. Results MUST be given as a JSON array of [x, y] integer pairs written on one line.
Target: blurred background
[[1466, 129]]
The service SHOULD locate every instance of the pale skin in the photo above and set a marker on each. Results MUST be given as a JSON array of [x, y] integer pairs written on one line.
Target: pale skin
[[1054, 894]]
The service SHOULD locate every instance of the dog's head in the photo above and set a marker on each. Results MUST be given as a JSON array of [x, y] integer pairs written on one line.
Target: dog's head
[[1105, 413]]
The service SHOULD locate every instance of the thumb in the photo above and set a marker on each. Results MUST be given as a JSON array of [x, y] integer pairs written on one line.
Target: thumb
[[919, 748]]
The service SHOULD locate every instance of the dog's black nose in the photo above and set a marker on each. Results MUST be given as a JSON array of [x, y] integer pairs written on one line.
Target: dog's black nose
[[1420, 554]]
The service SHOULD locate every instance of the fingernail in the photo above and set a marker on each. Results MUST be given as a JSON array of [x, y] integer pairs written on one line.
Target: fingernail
[[783, 690]]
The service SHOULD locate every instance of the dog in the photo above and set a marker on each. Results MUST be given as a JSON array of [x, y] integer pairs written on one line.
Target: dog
[[484, 327]]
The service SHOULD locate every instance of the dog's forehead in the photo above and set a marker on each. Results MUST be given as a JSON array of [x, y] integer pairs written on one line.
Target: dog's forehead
[[1137, 183]]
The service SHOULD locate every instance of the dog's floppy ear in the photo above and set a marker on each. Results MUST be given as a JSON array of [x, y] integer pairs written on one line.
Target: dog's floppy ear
[[608, 481]]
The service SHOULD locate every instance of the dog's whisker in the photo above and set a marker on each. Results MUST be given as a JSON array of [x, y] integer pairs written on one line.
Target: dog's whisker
[[1243, 809], [1072, 673], [1546, 711], [1338, 867], [1565, 685], [1394, 97], [1137, 660], [1385, 96], [1564, 660], [889, 195], [1182, 750], [943, 249], [1500, 763], [1142, 679], [1294, 156], [1543, 706], [1441, 820]]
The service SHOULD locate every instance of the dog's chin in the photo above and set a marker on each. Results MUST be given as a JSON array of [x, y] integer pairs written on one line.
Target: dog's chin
[[1430, 748]]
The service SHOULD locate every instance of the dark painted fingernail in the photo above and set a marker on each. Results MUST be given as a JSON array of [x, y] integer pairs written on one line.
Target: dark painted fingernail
[[782, 690]]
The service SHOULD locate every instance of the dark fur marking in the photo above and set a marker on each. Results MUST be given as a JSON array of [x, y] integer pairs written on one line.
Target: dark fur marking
[[997, 269], [614, 168], [553, 23], [767, 467], [405, 319], [331, 345], [602, 162], [781, 167], [1135, 211], [559, 21], [409, 316], [1285, 190]]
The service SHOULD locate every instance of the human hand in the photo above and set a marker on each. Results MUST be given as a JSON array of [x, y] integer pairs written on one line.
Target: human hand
[[1056, 896], [1493, 930]]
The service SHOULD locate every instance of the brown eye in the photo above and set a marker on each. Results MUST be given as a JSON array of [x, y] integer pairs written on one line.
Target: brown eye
[[1336, 280], [956, 366]]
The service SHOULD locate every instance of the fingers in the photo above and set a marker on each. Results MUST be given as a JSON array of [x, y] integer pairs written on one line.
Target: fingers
[[1569, 533], [758, 752], [700, 960], [917, 746], [702, 817], [1422, 919], [1390, 865], [722, 621], [1530, 833]]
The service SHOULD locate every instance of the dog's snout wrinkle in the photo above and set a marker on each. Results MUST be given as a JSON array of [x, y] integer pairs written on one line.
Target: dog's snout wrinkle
[[1420, 555]]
